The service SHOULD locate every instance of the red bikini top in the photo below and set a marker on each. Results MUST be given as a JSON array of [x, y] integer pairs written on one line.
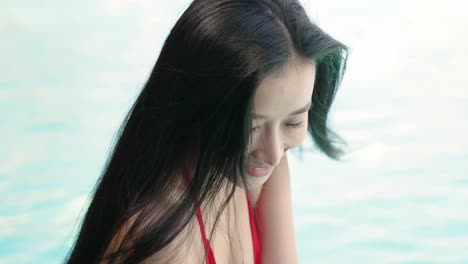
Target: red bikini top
[[253, 227]]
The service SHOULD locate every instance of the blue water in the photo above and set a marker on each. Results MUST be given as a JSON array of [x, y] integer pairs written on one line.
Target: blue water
[[69, 72]]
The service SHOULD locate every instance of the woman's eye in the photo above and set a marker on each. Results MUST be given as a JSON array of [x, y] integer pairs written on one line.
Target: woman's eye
[[290, 125], [294, 125]]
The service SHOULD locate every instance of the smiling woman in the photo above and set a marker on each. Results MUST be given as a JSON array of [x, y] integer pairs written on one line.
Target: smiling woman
[[279, 121], [199, 173]]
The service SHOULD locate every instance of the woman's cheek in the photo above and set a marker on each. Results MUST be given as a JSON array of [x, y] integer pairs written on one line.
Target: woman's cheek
[[299, 138], [300, 134]]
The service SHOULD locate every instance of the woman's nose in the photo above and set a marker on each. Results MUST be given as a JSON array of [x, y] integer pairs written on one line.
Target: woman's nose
[[273, 147]]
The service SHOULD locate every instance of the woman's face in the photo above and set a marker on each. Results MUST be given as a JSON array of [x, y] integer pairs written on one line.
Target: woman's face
[[280, 119]]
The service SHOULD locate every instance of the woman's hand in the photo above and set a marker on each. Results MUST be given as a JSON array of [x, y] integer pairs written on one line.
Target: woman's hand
[[274, 208]]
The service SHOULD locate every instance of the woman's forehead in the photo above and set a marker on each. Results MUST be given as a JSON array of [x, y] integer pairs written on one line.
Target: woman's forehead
[[282, 92]]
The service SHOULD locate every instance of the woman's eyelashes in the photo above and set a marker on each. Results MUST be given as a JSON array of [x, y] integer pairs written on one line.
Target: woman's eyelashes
[[295, 125], [289, 125]]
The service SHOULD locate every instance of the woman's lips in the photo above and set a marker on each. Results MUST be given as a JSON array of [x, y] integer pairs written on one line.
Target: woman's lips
[[259, 171]]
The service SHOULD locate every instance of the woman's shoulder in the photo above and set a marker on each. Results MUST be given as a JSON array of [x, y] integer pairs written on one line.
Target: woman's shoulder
[[184, 248]]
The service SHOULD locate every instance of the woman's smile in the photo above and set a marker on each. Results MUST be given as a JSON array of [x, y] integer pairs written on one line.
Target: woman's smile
[[259, 171]]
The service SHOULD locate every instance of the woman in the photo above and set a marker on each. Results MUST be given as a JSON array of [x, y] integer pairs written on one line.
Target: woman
[[199, 172]]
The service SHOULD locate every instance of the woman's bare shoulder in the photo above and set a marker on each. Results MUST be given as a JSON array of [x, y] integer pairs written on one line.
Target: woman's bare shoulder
[[185, 248]]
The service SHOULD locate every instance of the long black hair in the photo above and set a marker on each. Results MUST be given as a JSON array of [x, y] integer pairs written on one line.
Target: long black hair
[[198, 99]]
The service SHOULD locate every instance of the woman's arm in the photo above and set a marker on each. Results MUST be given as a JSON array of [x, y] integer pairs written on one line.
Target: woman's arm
[[274, 208]]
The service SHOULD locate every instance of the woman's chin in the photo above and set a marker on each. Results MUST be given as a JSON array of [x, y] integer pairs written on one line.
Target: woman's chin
[[253, 182]]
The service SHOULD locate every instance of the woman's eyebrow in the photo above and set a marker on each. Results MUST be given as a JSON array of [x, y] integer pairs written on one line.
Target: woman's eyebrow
[[296, 112]]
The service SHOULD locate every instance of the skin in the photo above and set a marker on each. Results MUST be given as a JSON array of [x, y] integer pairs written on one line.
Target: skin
[[277, 96], [273, 133]]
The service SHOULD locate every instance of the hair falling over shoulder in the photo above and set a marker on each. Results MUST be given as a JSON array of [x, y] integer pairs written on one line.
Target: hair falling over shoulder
[[198, 99]]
